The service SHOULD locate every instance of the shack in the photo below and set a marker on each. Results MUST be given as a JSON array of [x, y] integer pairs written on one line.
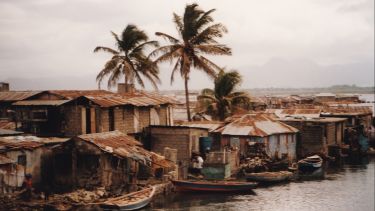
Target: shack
[[316, 134], [279, 139], [74, 112], [7, 98], [183, 138], [110, 159], [356, 116], [31, 155]]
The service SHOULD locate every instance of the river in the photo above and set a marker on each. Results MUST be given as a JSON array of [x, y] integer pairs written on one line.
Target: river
[[350, 187]]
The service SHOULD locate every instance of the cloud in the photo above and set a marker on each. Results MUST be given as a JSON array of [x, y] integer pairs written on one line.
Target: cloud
[[56, 38]]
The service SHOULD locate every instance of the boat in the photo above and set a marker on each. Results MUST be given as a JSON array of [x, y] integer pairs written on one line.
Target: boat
[[131, 201], [214, 186], [312, 162], [269, 176]]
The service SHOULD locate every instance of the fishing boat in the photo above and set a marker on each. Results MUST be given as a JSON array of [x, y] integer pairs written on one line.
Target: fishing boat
[[269, 177], [312, 162], [214, 186], [131, 201]]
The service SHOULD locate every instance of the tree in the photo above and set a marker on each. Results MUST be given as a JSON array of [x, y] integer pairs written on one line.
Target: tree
[[129, 60], [223, 99], [197, 36]]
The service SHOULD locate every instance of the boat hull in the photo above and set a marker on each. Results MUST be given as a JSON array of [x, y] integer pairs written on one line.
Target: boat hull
[[117, 204], [213, 187], [269, 177]]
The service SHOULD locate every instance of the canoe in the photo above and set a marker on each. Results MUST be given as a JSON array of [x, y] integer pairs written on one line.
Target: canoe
[[131, 201], [217, 186], [269, 176], [314, 161]]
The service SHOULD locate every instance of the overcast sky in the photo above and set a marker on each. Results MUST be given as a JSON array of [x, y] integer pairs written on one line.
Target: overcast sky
[[290, 43]]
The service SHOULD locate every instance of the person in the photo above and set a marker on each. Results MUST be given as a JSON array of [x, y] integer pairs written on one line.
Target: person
[[27, 186], [199, 163]]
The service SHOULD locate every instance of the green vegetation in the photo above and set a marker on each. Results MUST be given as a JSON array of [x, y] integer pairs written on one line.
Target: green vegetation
[[198, 36], [223, 100], [129, 60]]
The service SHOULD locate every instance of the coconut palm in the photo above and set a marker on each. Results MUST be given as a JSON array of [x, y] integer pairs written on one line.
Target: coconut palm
[[223, 99], [198, 35], [129, 60]]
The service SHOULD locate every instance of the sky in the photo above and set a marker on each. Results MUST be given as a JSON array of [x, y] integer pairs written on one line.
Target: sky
[[48, 44]]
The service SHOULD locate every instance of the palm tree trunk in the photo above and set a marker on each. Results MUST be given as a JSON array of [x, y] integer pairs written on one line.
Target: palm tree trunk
[[187, 98]]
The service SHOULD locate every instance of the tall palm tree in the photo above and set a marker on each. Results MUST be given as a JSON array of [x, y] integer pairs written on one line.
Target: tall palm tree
[[129, 60], [223, 99], [197, 36]]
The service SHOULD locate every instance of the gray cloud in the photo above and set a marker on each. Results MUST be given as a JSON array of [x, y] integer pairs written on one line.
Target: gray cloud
[[55, 38]]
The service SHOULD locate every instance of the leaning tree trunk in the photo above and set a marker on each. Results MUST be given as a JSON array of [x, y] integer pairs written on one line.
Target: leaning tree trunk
[[187, 98]]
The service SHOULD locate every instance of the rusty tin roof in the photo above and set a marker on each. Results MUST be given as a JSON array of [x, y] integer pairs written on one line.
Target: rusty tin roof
[[27, 142], [118, 143], [12, 96], [256, 125]]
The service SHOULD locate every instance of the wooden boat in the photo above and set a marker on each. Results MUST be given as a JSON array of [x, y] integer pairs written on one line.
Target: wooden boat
[[314, 161], [131, 201], [217, 186], [269, 176]]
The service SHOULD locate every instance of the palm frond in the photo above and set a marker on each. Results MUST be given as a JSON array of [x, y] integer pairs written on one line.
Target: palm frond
[[106, 49], [214, 49], [208, 34], [167, 37], [205, 19]]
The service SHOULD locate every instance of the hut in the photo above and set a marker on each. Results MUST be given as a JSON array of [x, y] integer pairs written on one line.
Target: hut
[[279, 139]]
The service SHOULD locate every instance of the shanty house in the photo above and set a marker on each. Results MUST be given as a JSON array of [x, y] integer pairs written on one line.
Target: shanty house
[[31, 155], [356, 116], [183, 138], [278, 138], [9, 97], [74, 112], [109, 159], [317, 134]]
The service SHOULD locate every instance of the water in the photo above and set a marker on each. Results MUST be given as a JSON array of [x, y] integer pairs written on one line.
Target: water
[[348, 188]]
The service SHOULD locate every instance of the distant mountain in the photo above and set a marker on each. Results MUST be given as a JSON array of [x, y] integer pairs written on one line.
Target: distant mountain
[[306, 73], [276, 72]]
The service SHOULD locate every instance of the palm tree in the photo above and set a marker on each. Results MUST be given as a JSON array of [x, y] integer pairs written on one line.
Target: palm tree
[[223, 99], [197, 36], [129, 60]]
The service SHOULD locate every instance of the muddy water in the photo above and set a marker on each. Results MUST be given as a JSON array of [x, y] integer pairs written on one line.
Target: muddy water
[[350, 187]]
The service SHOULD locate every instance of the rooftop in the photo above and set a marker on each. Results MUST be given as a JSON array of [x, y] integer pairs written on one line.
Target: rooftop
[[256, 125], [11, 96], [26, 142], [119, 144]]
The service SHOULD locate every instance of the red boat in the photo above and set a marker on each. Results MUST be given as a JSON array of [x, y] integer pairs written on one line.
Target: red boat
[[214, 186]]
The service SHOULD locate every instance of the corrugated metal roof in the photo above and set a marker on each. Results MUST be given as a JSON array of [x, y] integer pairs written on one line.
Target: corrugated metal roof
[[319, 119], [6, 124], [211, 126], [296, 112], [27, 142], [5, 160], [347, 110], [110, 99], [4, 132], [72, 94], [12, 96], [256, 125], [40, 102], [118, 143]]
